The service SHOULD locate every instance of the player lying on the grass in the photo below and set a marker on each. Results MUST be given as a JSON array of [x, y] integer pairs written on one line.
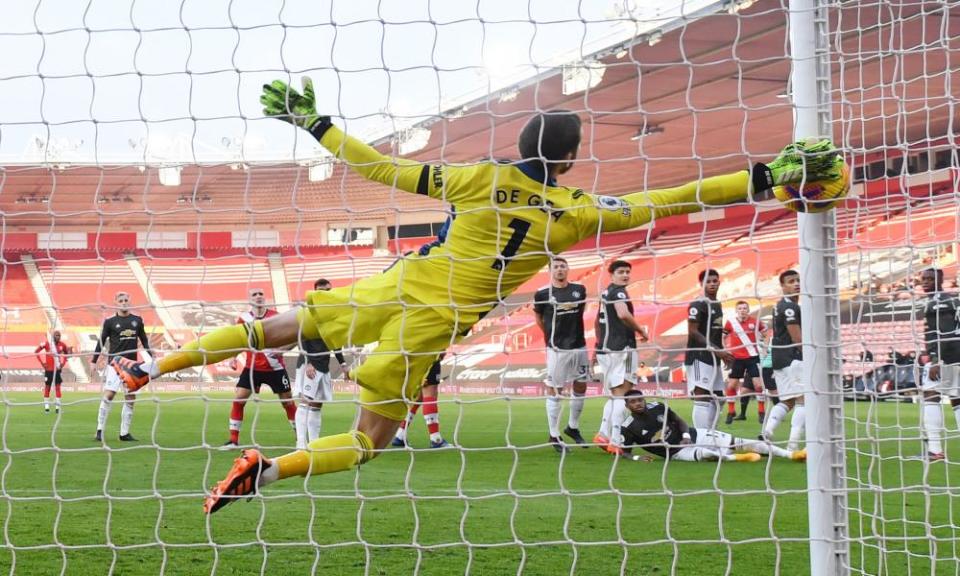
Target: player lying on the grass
[[659, 430], [511, 218]]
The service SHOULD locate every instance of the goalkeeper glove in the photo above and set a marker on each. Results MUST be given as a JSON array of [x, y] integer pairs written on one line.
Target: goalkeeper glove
[[805, 161], [285, 103]]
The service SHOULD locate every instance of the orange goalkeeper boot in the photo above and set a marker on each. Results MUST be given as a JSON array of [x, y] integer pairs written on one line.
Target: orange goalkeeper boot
[[240, 482], [129, 371]]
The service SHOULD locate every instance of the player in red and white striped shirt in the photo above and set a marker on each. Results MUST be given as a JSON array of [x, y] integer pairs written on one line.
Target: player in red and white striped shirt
[[53, 361], [741, 334], [259, 369]]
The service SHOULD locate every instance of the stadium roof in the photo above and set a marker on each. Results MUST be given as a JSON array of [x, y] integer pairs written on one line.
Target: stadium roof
[[699, 99]]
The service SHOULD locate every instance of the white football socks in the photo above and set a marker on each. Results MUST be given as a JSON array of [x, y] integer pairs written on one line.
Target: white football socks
[[605, 421], [576, 409], [774, 418], [103, 413], [798, 427], [126, 418], [704, 414], [933, 428], [553, 415]]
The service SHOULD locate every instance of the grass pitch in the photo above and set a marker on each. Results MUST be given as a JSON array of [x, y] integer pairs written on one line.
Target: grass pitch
[[503, 504]]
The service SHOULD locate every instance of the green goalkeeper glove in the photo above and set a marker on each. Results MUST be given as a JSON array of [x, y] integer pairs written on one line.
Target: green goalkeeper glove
[[285, 103], [804, 161]]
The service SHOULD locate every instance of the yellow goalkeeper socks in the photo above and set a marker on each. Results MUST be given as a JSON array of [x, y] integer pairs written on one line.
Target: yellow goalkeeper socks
[[325, 455], [218, 345]]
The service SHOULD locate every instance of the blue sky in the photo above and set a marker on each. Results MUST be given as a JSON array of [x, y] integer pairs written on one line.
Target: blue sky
[[109, 80]]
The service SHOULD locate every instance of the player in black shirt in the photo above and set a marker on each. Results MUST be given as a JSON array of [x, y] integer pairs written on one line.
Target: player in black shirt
[[122, 330], [787, 353], [660, 431], [616, 330], [312, 385], [705, 355], [941, 376], [559, 310]]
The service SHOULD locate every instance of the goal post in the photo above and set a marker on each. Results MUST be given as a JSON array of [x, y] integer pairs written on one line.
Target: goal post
[[819, 300]]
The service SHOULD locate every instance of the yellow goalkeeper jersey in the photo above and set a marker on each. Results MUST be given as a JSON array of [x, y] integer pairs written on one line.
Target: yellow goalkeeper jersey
[[510, 221]]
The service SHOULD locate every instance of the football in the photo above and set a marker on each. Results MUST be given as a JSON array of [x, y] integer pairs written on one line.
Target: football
[[817, 196]]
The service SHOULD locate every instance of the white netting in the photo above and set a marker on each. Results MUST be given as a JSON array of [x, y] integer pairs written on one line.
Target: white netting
[[135, 158], [896, 98]]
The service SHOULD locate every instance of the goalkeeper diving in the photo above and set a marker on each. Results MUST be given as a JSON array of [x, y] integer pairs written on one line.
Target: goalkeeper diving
[[511, 218]]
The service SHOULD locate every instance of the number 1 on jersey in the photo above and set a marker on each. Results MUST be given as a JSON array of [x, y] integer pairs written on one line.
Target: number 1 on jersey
[[520, 229]]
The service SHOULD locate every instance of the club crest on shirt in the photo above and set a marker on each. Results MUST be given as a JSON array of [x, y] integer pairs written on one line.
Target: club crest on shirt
[[576, 294], [613, 204]]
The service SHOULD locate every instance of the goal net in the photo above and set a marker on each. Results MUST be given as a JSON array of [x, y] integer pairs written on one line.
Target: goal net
[[138, 173]]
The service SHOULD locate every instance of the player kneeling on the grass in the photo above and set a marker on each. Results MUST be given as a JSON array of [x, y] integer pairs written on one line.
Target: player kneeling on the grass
[[431, 411], [705, 356], [941, 376], [659, 430], [53, 360], [741, 333], [312, 386], [122, 330], [424, 304], [787, 351], [559, 310], [616, 330]]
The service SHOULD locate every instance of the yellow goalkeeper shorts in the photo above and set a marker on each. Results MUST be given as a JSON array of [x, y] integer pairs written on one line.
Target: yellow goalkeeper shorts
[[410, 336]]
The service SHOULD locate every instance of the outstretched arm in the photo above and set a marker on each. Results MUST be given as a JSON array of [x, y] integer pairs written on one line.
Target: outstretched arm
[[401, 173], [798, 162], [639, 208], [285, 103]]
